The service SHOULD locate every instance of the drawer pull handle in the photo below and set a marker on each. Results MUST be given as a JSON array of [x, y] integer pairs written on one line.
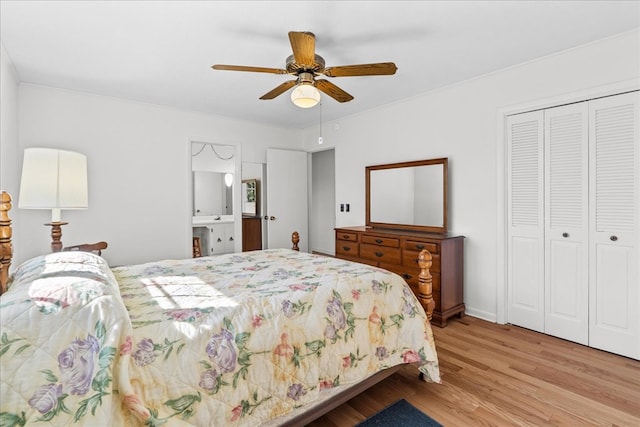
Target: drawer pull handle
[[406, 276], [346, 248], [379, 254], [378, 241], [345, 236], [613, 238], [421, 247]]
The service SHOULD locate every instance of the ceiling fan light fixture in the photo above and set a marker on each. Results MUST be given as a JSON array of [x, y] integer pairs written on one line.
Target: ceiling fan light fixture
[[305, 95]]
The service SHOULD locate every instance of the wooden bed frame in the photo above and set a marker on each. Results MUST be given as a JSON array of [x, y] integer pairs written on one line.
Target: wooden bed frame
[[6, 250], [315, 411]]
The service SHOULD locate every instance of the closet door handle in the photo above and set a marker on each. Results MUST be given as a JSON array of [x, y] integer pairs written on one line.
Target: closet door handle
[[565, 234], [613, 238]]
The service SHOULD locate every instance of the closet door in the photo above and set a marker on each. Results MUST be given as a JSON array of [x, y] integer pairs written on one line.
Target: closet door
[[525, 245], [614, 313], [566, 223]]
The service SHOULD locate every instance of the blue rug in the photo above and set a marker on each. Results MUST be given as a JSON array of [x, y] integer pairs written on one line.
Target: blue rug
[[401, 413]]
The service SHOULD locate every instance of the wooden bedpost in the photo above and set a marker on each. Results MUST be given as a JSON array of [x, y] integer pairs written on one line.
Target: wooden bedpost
[[425, 282], [295, 238], [6, 249]]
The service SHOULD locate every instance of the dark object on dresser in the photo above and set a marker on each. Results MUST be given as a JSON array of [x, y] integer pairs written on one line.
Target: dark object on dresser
[[397, 251]]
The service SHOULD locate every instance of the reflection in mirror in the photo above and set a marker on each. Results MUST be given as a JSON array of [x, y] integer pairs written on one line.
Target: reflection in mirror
[[212, 193], [401, 196], [410, 195], [250, 197]]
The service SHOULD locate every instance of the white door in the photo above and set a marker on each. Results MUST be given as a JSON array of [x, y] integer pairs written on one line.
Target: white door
[[614, 309], [566, 223], [525, 246], [286, 198]]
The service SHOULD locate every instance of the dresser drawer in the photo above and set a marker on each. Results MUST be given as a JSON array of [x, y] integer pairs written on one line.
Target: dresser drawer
[[394, 268], [415, 245], [343, 235], [347, 248], [381, 254], [381, 241], [411, 277], [410, 259]]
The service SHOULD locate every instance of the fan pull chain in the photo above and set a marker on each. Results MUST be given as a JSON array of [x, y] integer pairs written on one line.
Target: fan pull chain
[[320, 141]]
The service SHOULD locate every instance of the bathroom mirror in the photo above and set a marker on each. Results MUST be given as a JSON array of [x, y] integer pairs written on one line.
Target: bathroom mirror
[[408, 195], [250, 197], [212, 193]]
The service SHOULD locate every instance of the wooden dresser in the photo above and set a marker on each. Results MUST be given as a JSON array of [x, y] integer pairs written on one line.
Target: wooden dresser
[[397, 251]]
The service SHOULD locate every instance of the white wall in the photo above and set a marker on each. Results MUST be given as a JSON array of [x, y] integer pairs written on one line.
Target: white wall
[[460, 122], [9, 168], [139, 169]]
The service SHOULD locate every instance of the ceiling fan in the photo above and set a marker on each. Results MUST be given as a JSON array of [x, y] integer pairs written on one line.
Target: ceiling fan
[[306, 65]]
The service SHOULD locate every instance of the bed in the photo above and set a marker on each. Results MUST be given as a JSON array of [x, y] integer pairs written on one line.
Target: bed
[[271, 337]]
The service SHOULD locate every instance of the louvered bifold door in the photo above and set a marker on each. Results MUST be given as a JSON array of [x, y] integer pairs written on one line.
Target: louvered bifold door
[[614, 319], [525, 245], [566, 222]]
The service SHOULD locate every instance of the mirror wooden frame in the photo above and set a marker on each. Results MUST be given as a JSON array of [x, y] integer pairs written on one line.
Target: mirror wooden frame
[[251, 186], [422, 227]]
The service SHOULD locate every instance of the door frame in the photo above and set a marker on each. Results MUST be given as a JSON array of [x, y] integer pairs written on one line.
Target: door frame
[[237, 208], [330, 211], [502, 299]]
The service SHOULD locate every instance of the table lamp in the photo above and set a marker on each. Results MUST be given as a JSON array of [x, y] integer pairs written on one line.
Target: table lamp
[[53, 179]]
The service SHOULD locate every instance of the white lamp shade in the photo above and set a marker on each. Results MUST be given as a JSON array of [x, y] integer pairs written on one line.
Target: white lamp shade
[[53, 179], [305, 96]]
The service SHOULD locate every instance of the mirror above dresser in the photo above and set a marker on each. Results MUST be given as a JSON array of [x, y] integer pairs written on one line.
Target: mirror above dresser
[[407, 195]]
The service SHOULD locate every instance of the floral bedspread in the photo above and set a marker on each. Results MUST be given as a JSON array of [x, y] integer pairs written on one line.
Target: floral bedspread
[[61, 323], [239, 339], [231, 340]]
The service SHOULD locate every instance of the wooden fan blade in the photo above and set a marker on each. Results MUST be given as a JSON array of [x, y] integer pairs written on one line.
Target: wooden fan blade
[[378, 69], [333, 91], [252, 69], [304, 47], [279, 90]]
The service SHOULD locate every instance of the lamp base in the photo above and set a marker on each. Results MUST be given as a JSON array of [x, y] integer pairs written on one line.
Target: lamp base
[[56, 234]]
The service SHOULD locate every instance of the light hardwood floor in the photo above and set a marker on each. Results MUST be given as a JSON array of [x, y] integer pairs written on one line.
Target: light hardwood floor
[[503, 375]]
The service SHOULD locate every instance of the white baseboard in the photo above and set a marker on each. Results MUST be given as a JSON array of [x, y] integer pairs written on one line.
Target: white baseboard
[[480, 314]]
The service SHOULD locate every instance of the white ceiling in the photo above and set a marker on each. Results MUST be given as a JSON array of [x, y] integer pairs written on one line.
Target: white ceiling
[[161, 51]]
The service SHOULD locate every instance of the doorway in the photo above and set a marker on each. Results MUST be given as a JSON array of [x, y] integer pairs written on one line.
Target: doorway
[[322, 198]]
